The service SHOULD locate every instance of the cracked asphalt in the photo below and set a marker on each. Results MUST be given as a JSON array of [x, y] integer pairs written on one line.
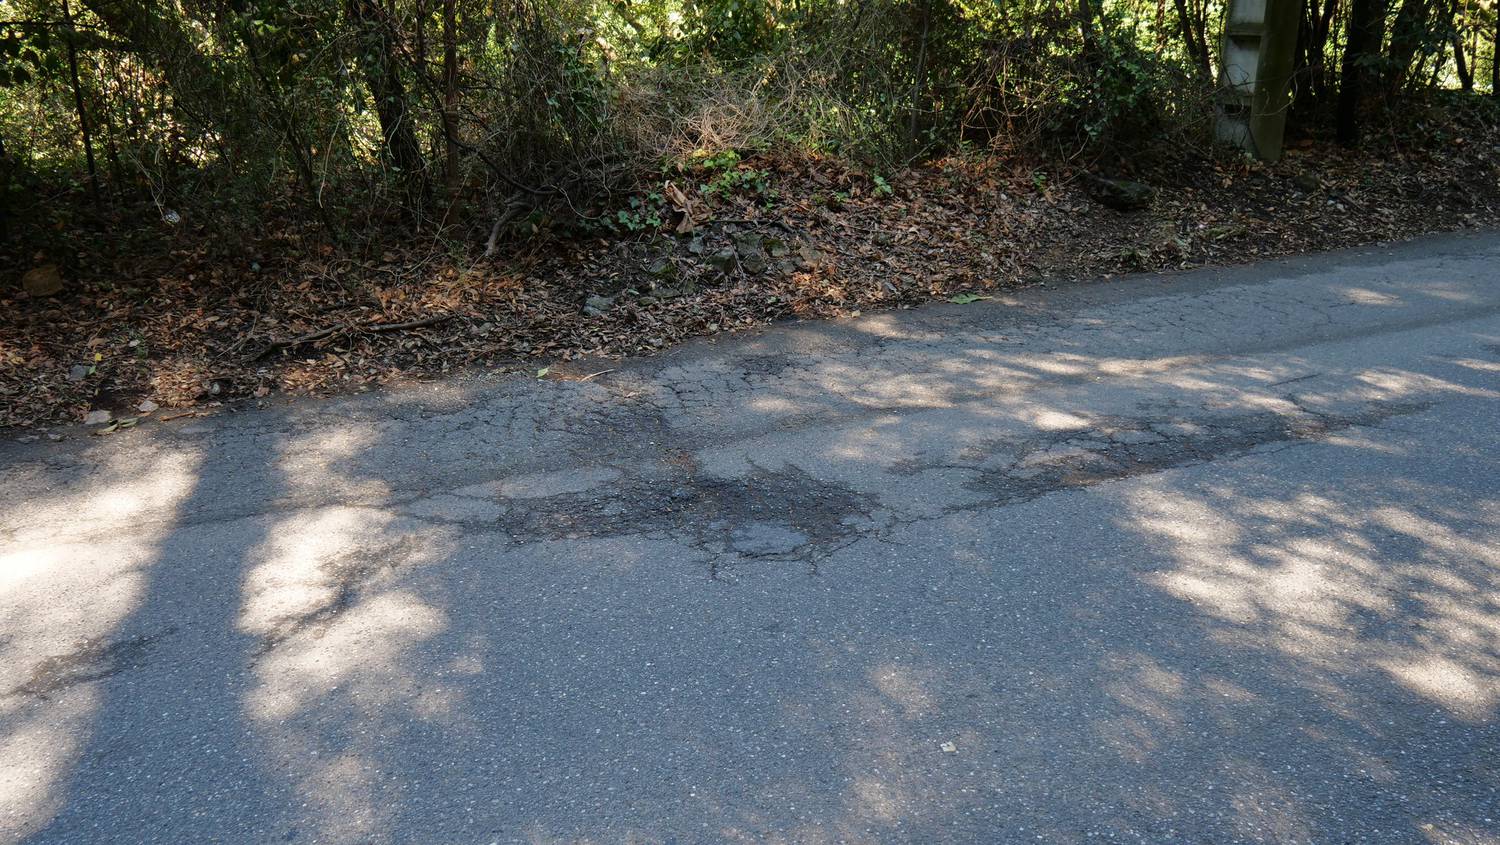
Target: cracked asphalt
[[1210, 558]]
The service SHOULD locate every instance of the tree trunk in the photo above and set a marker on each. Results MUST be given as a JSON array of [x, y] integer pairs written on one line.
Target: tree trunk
[[83, 114], [200, 91], [1362, 49], [4, 193], [1323, 80], [377, 61], [919, 79], [1460, 60], [1412, 21], [1312, 52], [450, 93], [1086, 30], [1194, 41], [288, 124]]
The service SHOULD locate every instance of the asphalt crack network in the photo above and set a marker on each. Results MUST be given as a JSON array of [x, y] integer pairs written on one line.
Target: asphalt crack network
[[1118, 448], [776, 514], [93, 660], [349, 577]]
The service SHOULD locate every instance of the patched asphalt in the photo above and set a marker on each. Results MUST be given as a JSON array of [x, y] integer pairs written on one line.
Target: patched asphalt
[[1212, 557]]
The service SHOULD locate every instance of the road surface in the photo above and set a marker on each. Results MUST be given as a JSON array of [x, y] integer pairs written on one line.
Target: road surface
[[1206, 558]]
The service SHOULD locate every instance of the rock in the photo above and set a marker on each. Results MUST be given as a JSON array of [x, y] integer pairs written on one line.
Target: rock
[[596, 305], [663, 268], [78, 372], [1307, 181], [98, 418], [754, 262], [810, 257], [724, 260], [147, 406], [1121, 194], [683, 289], [696, 245], [747, 245], [747, 242], [672, 291], [45, 280], [777, 248]]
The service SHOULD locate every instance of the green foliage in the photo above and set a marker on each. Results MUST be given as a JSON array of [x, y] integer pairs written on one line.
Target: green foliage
[[728, 29], [644, 214], [247, 108], [721, 175], [1123, 96], [24, 54], [736, 181]]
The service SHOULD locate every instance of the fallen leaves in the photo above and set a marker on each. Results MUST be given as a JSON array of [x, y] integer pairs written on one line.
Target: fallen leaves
[[194, 320]]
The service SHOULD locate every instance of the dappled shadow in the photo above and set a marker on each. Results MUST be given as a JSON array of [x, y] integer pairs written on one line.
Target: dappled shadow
[[909, 590], [64, 607]]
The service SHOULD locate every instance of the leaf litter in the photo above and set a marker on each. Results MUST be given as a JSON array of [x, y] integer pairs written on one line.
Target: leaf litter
[[182, 320]]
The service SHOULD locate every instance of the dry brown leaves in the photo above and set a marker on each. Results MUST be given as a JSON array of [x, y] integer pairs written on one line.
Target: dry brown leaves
[[196, 325]]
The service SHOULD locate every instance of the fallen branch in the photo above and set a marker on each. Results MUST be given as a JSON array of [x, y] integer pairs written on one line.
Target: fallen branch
[[513, 208], [320, 334], [748, 221], [410, 324]]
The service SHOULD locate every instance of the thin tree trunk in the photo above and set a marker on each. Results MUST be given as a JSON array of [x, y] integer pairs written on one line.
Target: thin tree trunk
[[450, 93], [1495, 60], [288, 124], [1460, 62], [1317, 53], [1366, 24], [202, 91], [4, 193], [1407, 33], [83, 115], [1086, 30], [1195, 42], [377, 60], [1303, 98], [111, 141], [919, 82]]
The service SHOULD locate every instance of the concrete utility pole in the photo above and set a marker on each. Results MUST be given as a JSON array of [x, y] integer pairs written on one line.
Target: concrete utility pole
[[1255, 77]]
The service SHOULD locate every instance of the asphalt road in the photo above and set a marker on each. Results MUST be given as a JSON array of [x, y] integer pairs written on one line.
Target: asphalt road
[[1208, 558]]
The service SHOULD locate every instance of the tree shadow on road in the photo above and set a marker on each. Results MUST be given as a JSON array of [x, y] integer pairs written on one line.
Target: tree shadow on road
[[1044, 647]]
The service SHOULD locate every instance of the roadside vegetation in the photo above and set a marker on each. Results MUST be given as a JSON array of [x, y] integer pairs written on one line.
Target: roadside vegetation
[[209, 199]]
